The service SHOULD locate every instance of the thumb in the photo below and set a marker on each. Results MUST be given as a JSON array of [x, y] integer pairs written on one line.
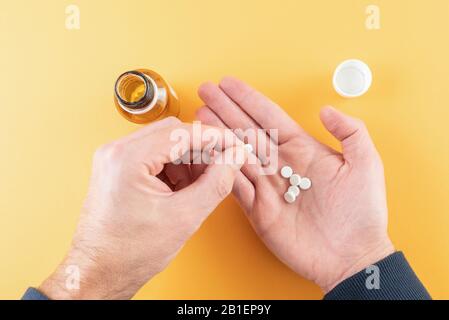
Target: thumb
[[215, 183], [351, 132]]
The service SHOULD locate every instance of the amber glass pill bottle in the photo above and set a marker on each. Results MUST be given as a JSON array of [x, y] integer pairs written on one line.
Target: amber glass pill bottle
[[143, 96]]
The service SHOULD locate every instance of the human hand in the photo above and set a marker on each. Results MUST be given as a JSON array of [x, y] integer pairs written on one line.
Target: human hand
[[333, 230], [141, 208]]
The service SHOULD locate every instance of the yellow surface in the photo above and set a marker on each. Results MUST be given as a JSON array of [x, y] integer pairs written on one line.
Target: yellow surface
[[57, 107]]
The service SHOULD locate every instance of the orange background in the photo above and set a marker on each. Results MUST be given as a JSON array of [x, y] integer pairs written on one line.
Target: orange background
[[56, 98]]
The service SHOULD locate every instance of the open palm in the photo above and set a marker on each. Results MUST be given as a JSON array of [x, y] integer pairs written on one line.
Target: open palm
[[336, 228]]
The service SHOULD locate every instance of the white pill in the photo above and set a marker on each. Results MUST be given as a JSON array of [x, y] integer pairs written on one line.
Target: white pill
[[295, 190], [289, 197], [286, 172], [295, 179], [352, 78], [249, 148], [305, 184]]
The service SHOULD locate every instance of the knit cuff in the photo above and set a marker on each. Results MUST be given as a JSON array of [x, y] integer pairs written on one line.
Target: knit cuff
[[389, 279], [34, 294]]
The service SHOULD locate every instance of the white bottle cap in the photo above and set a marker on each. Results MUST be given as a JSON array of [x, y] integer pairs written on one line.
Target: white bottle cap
[[352, 78]]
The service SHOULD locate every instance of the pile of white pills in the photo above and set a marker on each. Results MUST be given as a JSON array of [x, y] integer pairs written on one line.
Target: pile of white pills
[[297, 183]]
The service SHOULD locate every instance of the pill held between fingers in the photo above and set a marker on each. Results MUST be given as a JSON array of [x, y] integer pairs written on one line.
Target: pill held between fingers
[[249, 148], [286, 172], [305, 184], [289, 197], [295, 179], [295, 190]]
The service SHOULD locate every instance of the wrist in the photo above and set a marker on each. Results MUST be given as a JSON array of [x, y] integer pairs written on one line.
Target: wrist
[[371, 257], [80, 277]]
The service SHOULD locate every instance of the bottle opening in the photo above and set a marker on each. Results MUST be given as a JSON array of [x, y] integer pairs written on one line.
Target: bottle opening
[[133, 90]]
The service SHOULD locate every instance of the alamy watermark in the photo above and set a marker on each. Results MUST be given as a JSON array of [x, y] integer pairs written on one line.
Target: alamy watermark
[[372, 282], [73, 17], [206, 145], [72, 281], [372, 21]]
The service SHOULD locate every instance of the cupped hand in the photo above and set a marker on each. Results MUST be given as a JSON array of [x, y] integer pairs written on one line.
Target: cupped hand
[[333, 230], [141, 208]]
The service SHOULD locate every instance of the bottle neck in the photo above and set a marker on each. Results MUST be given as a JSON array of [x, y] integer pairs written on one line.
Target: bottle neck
[[136, 92]]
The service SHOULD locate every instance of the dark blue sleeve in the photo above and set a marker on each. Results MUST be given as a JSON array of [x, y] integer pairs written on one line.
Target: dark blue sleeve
[[389, 279], [34, 294]]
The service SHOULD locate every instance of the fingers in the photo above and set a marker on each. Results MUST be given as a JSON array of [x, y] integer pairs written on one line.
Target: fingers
[[231, 114], [351, 132], [251, 170], [172, 143], [261, 109], [244, 191], [197, 170], [235, 118], [179, 175], [163, 177], [215, 183]]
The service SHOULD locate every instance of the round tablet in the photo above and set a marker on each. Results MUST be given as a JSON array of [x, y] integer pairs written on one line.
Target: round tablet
[[305, 184], [352, 78], [295, 179], [286, 172], [289, 197], [249, 148], [295, 190]]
